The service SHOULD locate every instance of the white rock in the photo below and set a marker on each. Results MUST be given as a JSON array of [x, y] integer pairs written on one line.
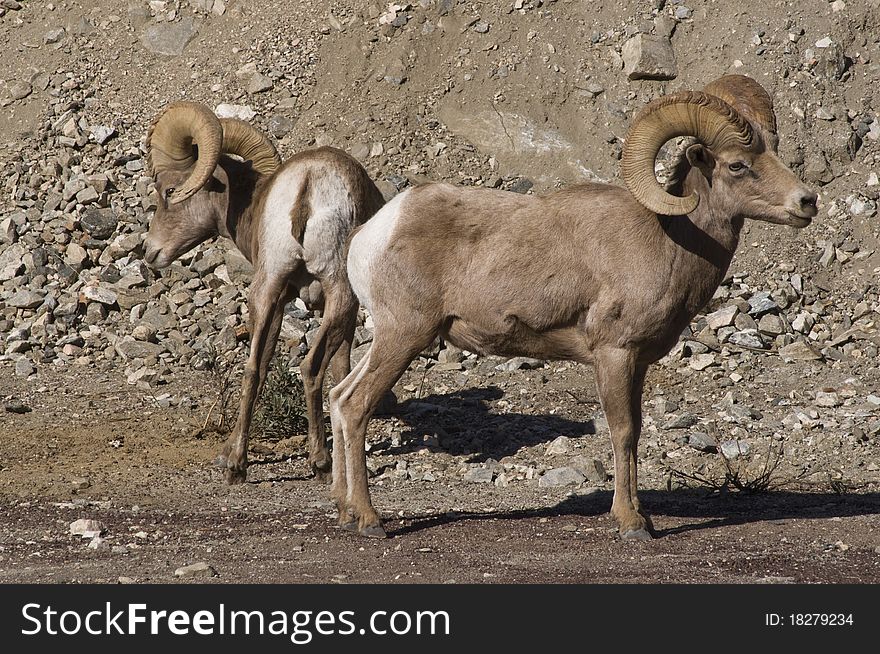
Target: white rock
[[828, 399], [561, 445], [724, 317], [86, 528], [99, 294], [701, 361], [240, 111], [200, 569]]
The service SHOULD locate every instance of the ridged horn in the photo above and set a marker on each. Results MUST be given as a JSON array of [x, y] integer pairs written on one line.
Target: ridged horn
[[241, 139], [750, 99], [170, 140], [687, 113]]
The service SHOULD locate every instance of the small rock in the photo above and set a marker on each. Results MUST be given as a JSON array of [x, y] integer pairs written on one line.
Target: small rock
[[682, 421], [701, 361], [519, 363], [98, 223], [395, 72], [702, 442], [771, 324], [11, 263], [100, 294], [200, 569], [799, 351], [25, 299], [23, 368], [242, 112], [565, 476], [734, 449], [560, 445], [824, 42], [481, 27], [101, 133], [724, 317], [683, 13], [760, 303], [53, 35], [259, 83], [17, 406], [86, 528], [828, 399], [649, 57], [19, 90], [280, 126], [478, 476], [592, 469], [747, 338], [138, 349], [169, 39]]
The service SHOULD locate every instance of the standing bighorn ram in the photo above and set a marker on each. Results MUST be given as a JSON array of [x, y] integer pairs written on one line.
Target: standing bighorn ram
[[290, 220], [595, 273]]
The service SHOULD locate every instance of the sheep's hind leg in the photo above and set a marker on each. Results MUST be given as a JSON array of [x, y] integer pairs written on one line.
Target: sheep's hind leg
[[266, 302], [337, 329], [617, 377]]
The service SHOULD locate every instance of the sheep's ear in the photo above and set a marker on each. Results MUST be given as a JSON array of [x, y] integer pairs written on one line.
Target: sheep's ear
[[699, 156]]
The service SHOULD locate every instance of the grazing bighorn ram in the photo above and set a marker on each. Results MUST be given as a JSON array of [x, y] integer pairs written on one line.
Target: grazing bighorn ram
[[595, 273], [290, 220]]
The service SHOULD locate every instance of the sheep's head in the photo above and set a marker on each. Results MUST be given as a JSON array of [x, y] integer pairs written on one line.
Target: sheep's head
[[184, 145], [736, 151]]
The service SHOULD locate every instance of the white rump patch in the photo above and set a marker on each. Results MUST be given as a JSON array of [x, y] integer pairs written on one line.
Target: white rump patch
[[368, 245], [330, 222], [279, 251]]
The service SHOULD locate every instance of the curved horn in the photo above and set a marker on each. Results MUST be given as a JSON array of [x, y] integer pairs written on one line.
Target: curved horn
[[750, 99], [242, 139], [688, 113], [170, 140]]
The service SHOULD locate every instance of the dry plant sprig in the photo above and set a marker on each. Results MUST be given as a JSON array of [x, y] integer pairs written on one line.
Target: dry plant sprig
[[220, 371], [741, 477]]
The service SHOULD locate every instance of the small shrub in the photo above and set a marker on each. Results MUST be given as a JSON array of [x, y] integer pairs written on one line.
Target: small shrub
[[281, 407], [746, 474]]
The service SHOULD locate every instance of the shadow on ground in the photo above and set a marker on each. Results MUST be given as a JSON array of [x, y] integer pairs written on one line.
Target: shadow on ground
[[463, 423], [711, 511]]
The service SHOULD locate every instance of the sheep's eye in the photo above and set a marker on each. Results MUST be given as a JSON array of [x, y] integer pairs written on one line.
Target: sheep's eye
[[737, 166], [169, 192]]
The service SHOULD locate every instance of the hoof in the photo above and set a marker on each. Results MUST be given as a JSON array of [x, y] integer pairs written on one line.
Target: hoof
[[351, 525], [321, 468], [373, 531], [636, 535], [322, 476], [234, 476]]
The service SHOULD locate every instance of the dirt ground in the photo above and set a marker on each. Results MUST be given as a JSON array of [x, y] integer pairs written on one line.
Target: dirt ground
[[89, 445], [164, 506]]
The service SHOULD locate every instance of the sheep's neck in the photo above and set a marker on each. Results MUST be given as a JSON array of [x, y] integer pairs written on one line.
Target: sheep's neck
[[241, 223], [706, 238]]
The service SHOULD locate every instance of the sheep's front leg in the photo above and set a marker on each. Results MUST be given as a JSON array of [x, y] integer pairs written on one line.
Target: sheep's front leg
[[354, 401], [266, 302], [339, 491], [619, 380]]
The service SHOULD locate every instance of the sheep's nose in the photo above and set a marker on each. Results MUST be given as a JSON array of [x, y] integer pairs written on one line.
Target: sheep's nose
[[808, 202]]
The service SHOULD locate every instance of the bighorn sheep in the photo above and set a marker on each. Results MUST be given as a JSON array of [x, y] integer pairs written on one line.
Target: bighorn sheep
[[595, 273], [290, 220]]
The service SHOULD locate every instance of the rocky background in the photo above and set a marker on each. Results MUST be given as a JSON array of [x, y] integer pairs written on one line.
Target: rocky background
[[778, 373]]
